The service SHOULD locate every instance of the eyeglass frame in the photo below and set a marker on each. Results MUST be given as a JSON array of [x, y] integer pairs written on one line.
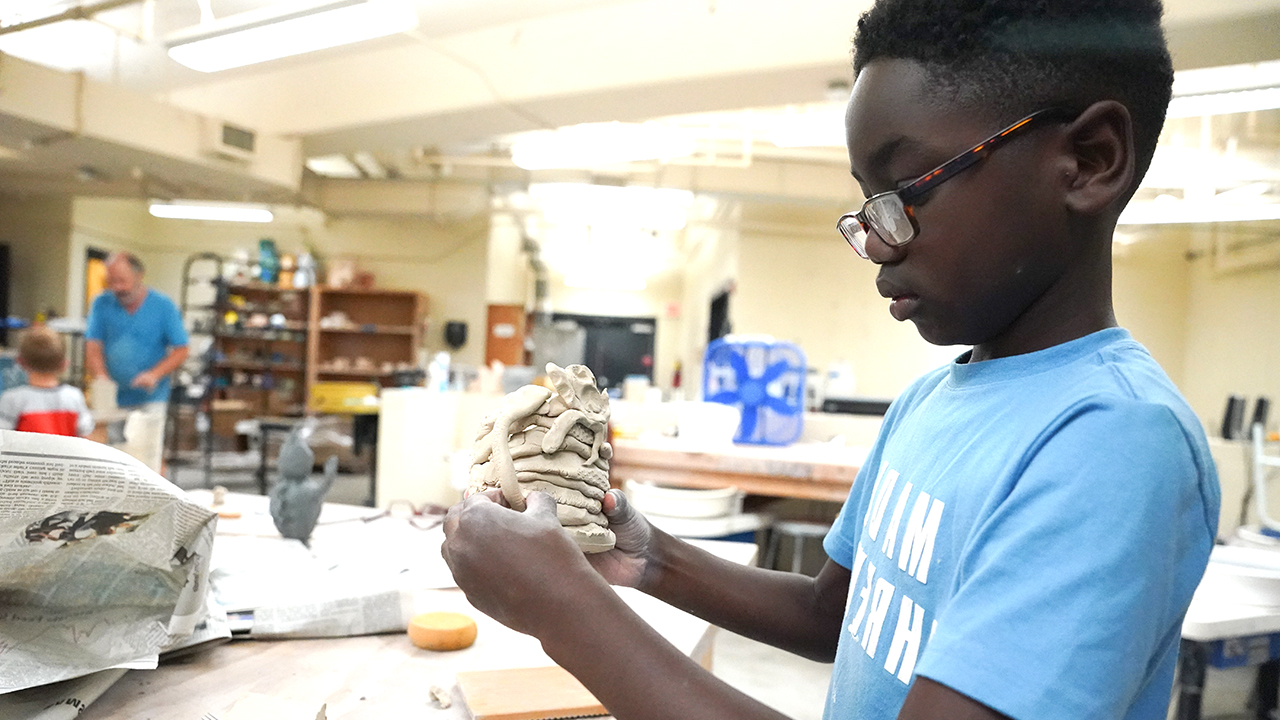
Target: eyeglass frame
[[939, 175]]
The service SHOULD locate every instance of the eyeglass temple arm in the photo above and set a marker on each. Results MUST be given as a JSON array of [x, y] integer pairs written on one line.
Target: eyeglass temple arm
[[966, 159]]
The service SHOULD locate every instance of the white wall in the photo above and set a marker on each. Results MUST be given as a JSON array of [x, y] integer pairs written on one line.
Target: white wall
[[809, 288], [710, 268], [37, 230], [1233, 336]]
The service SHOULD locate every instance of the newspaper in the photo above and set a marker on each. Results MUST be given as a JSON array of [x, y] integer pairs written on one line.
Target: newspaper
[[103, 563], [279, 588]]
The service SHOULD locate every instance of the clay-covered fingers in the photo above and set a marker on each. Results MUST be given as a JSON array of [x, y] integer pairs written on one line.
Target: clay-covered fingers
[[631, 561], [512, 565]]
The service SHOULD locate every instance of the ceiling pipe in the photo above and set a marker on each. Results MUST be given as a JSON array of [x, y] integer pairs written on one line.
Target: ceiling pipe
[[80, 12]]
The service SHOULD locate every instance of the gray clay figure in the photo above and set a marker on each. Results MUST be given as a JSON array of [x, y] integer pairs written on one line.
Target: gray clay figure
[[296, 497]]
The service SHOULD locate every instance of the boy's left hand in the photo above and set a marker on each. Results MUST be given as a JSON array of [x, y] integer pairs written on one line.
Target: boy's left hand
[[519, 568]]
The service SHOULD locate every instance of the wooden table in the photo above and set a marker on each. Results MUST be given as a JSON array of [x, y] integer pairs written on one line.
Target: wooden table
[[809, 471], [375, 676]]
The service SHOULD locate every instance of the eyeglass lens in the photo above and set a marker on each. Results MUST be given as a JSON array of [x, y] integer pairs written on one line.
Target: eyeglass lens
[[888, 217], [853, 232]]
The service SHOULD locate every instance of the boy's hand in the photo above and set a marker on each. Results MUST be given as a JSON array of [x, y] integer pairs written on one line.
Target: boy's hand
[[519, 568], [630, 563]]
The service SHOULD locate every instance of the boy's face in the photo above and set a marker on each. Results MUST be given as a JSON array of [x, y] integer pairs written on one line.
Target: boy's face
[[991, 240]]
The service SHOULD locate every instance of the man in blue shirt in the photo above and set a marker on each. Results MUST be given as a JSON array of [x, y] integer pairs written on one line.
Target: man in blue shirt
[[135, 335]]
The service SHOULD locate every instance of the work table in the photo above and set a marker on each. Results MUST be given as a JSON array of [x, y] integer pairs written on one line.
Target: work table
[[813, 471]]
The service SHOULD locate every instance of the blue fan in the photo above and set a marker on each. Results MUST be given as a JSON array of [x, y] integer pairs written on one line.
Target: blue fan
[[762, 377]]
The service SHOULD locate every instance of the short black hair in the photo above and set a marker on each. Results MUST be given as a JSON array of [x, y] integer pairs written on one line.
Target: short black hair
[[1017, 56]]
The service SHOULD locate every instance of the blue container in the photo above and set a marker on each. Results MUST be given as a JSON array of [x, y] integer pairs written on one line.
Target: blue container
[[762, 378]]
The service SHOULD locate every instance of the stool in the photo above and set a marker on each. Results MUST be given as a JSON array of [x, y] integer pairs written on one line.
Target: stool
[[798, 531]]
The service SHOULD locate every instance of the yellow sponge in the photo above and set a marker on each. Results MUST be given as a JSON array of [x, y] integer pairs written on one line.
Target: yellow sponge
[[442, 631]]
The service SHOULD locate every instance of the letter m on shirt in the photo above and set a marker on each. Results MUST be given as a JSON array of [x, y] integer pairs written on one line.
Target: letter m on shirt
[[918, 537]]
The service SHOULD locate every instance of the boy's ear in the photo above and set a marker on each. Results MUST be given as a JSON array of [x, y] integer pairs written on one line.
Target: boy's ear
[[1100, 158]]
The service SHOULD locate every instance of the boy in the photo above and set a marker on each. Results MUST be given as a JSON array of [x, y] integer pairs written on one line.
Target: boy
[[44, 404], [1027, 531]]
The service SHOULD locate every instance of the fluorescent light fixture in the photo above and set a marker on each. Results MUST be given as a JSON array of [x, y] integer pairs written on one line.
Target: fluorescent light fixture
[[605, 281], [599, 144], [1225, 90], [286, 29], [1224, 103], [611, 206], [369, 165], [199, 210], [68, 45], [333, 166], [811, 128], [1226, 78], [1173, 211]]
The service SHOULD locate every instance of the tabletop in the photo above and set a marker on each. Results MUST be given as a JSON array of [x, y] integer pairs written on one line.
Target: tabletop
[[373, 676], [814, 471]]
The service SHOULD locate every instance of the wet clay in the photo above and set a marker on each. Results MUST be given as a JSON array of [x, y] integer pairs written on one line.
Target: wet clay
[[552, 442]]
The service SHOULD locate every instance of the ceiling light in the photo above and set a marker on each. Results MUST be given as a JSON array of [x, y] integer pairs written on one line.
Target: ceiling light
[[605, 281], [1224, 103], [1226, 89], [599, 144], [286, 29], [199, 210], [822, 127], [68, 45], [333, 166], [1175, 211], [370, 166], [611, 206]]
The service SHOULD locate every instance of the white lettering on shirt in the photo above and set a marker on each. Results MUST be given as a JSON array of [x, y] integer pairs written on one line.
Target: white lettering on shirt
[[880, 502], [891, 536], [917, 539], [905, 646], [865, 595], [875, 619]]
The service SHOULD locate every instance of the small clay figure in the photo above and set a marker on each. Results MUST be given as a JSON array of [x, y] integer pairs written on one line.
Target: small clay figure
[[296, 497], [554, 443]]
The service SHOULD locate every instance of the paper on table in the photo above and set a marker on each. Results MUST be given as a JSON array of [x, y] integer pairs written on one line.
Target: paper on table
[[356, 579]]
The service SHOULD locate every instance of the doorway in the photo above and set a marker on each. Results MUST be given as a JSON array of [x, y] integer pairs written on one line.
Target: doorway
[[615, 347]]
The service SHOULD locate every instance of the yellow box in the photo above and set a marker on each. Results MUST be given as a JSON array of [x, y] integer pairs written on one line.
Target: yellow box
[[344, 398]]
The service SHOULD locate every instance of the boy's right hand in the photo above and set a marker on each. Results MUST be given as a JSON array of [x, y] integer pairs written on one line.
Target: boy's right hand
[[632, 562]]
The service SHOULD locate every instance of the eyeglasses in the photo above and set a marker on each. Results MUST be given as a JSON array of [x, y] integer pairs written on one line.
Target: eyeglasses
[[891, 215]]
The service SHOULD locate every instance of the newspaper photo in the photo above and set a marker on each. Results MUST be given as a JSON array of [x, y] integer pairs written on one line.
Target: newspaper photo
[[103, 563]]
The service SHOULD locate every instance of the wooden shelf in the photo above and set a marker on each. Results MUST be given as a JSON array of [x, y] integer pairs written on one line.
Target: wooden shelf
[[376, 330], [260, 334], [385, 327], [254, 365], [355, 373]]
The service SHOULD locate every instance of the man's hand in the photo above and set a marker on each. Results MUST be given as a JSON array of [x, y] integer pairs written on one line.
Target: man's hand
[[519, 568], [146, 380]]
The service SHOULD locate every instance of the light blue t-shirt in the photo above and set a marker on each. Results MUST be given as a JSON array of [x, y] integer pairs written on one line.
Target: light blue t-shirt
[[1027, 531], [135, 343]]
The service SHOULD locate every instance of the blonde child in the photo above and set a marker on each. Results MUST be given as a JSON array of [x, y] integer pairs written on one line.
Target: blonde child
[[45, 404]]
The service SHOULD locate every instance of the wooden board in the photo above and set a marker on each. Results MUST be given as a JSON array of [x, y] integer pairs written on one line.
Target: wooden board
[[527, 694]]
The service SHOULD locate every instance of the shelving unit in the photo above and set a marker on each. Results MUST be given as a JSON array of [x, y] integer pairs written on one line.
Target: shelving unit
[[380, 334], [258, 363]]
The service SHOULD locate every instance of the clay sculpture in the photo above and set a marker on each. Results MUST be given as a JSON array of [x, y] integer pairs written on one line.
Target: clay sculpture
[[296, 497], [553, 442]]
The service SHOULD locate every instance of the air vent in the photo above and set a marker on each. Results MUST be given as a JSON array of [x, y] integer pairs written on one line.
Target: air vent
[[229, 142]]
